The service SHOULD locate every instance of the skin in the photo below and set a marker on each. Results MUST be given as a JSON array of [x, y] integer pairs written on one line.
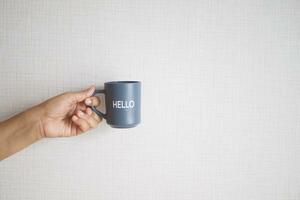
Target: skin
[[64, 115]]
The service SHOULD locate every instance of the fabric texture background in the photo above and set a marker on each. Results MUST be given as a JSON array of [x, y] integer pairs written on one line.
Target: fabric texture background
[[220, 102]]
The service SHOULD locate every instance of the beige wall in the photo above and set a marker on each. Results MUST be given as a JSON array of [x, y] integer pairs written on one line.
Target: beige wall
[[221, 98]]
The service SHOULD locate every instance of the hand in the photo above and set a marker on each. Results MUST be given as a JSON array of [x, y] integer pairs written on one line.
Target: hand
[[68, 115]]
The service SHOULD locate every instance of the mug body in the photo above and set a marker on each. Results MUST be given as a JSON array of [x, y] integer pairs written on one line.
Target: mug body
[[123, 103]]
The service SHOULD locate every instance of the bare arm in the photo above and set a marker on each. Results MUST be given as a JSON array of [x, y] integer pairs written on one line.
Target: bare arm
[[65, 115], [20, 131]]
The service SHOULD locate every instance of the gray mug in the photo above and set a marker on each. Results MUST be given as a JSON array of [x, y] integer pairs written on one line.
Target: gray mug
[[122, 103]]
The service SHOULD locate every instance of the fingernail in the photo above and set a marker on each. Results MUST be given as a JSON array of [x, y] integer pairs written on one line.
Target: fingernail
[[88, 101], [80, 113], [75, 118], [89, 111]]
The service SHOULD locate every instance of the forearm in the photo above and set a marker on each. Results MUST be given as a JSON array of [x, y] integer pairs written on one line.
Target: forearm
[[20, 131]]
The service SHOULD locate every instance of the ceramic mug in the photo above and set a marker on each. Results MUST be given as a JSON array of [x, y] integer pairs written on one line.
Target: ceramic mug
[[122, 103]]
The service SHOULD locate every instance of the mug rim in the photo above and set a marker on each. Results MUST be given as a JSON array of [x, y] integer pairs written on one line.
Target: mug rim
[[121, 82]]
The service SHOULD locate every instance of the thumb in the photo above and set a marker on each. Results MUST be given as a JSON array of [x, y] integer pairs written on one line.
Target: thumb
[[82, 95]]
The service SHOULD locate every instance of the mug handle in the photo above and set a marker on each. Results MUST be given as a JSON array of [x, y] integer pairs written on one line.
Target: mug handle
[[94, 108]]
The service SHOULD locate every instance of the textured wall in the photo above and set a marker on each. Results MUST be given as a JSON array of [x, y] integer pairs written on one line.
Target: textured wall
[[221, 98]]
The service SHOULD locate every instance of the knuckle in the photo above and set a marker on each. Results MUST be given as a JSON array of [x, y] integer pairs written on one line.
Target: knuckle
[[92, 122], [81, 114], [84, 126], [96, 101], [67, 95]]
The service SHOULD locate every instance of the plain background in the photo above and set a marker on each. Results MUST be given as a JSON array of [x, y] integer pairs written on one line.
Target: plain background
[[220, 104]]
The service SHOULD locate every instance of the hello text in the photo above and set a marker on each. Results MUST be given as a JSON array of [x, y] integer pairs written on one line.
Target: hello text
[[123, 104]]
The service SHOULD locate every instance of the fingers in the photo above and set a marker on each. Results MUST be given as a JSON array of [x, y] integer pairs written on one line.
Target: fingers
[[87, 117], [82, 95], [92, 101], [81, 106], [86, 120], [94, 116], [82, 125]]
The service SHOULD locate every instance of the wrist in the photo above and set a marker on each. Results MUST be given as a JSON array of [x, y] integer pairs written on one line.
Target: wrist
[[34, 116], [20, 131]]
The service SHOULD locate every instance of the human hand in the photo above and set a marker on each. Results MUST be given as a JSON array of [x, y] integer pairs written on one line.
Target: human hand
[[68, 114]]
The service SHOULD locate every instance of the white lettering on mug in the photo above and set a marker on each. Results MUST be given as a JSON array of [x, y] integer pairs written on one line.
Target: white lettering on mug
[[123, 104]]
